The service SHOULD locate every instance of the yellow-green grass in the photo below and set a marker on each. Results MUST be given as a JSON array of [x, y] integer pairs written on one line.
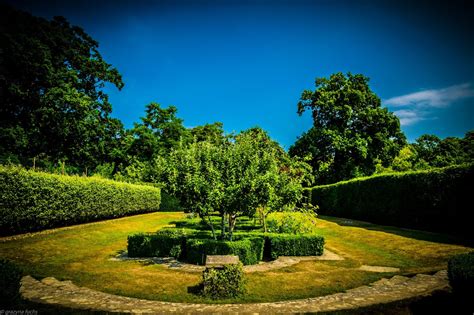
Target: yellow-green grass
[[82, 254]]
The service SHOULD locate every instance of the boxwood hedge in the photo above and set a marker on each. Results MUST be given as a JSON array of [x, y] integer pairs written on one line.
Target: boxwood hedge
[[31, 200], [435, 200], [164, 243], [249, 250], [294, 245]]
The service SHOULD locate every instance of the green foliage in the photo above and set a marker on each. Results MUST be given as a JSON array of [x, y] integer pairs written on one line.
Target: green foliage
[[170, 203], [226, 282], [292, 222], [159, 132], [434, 200], [53, 99], [35, 200], [10, 276], [294, 245], [213, 133], [234, 178], [351, 131], [434, 152], [249, 250], [164, 243], [461, 273]]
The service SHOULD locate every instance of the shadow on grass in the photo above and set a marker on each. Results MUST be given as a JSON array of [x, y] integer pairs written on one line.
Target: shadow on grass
[[415, 234]]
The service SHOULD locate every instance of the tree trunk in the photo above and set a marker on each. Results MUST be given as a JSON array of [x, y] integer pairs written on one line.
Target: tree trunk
[[212, 227], [264, 223], [223, 225], [232, 221]]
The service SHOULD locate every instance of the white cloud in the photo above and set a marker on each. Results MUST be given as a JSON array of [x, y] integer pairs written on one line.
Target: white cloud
[[412, 116], [408, 117], [433, 98]]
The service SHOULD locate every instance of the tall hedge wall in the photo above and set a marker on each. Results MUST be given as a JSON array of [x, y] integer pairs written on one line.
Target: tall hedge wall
[[435, 200], [32, 200]]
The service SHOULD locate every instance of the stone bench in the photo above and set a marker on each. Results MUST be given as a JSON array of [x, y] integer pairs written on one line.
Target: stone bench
[[221, 260]]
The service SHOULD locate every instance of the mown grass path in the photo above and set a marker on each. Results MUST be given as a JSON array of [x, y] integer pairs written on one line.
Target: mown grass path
[[82, 254]]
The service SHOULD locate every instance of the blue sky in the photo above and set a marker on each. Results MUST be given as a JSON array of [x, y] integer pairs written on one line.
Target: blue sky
[[245, 63]]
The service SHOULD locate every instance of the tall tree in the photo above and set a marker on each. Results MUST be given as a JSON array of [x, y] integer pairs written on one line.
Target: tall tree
[[231, 179], [160, 131], [351, 131], [51, 89], [213, 133]]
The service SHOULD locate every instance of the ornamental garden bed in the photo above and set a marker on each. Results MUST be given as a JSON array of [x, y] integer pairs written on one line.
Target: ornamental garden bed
[[192, 246]]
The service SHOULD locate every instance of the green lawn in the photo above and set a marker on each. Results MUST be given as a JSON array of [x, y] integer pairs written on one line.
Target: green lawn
[[81, 254]]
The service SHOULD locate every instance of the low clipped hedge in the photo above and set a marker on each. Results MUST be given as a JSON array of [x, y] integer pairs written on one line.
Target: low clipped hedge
[[249, 250], [436, 200], [294, 245], [193, 246], [461, 273], [164, 243], [31, 200]]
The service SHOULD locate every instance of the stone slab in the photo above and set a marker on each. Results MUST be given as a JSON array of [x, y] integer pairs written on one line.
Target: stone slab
[[220, 260]]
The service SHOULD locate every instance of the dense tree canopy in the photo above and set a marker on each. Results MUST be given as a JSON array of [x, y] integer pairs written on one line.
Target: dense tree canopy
[[51, 86], [54, 108], [351, 132], [233, 178]]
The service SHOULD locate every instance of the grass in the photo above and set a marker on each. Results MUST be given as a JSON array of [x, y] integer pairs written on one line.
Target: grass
[[81, 253]]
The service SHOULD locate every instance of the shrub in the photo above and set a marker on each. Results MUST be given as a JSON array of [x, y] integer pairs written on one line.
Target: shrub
[[164, 243], [250, 251], [34, 200], [461, 273], [294, 245], [225, 282], [291, 222], [10, 277], [436, 200]]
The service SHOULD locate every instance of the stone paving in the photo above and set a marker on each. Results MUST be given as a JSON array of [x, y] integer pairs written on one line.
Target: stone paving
[[66, 294], [280, 262]]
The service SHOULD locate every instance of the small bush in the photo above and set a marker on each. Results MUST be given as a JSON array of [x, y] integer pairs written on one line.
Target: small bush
[[461, 273], [10, 277], [250, 251], [225, 282], [164, 243], [291, 222], [33, 200], [294, 245]]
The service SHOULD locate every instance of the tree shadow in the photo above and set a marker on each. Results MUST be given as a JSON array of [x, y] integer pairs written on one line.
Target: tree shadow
[[405, 232]]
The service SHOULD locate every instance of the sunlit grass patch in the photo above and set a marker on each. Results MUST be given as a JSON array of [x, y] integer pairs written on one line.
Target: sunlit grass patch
[[82, 254]]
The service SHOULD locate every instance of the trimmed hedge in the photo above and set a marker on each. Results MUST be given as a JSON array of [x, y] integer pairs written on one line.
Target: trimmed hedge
[[192, 246], [294, 245], [164, 243], [250, 250], [461, 273], [31, 200], [436, 200], [225, 282]]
